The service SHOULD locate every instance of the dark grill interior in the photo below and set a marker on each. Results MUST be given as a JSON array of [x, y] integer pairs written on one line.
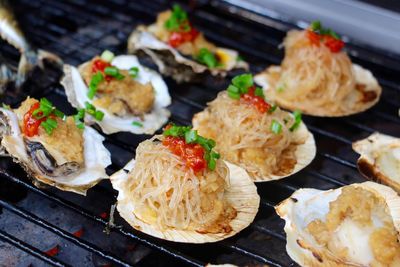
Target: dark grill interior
[[35, 220]]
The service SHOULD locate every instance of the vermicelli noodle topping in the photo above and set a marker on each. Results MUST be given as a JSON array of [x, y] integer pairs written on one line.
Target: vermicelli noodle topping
[[249, 131], [178, 182]]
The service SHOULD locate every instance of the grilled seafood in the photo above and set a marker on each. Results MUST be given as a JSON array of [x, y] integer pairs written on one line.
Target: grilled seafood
[[51, 148], [133, 98], [180, 50]]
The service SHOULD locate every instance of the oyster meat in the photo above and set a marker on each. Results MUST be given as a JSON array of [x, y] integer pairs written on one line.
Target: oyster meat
[[136, 105], [355, 225], [68, 158], [184, 55]]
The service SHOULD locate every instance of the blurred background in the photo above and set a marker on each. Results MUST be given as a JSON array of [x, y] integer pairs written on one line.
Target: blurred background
[[374, 22]]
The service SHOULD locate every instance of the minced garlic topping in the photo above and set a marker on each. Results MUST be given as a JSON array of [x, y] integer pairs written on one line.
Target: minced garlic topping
[[359, 206]]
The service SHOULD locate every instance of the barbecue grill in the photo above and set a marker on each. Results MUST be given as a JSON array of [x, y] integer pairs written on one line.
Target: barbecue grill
[[41, 227]]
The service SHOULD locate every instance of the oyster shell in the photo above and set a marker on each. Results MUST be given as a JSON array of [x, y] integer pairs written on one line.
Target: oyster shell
[[171, 62], [380, 159], [358, 238], [46, 165], [76, 91], [241, 194]]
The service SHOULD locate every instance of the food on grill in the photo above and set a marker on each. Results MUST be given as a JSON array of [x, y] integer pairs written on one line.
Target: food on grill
[[356, 225], [132, 97], [180, 50], [317, 77], [380, 159], [178, 189], [51, 147], [263, 139], [31, 58]]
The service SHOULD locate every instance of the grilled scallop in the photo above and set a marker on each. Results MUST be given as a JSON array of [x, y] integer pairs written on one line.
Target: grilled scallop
[[133, 98], [380, 159], [51, 148], [356, 225], [178, 189], [179, 50], [318, 78]]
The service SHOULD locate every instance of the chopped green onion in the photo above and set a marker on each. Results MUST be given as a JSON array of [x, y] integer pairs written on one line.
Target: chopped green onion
[[107, 56], [178, 21], [94, 83], [44, 110], [316, 25], [243, 82], [190, 136], [133, 72], [233, 89], [207, 58], [59, 114], [113, 72], [80, 125], [234, 95], [272, 109], [99, 115], [137, 124], [276, 127], [5, 106], [49, 125], [259, 92], [297, 120]]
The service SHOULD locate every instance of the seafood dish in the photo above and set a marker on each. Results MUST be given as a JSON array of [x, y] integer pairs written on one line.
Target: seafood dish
[[317, 77], [380, 159], [268, 142], [180, 50], [13, 80], [177, 188], [132, 98], [51, 147], [355, 225]]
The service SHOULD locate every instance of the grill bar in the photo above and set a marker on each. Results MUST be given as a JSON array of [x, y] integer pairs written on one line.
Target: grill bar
[[58, 27], [70, 237], [30, 249]]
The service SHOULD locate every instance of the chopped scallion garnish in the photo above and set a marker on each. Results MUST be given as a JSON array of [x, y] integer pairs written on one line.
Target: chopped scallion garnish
[[273, 108], [276, 127], [207, 58], [297, 120], [5, 106], [133, 72], [259, 92], [107, 56], [114, 72], [137, 124], [94, 84], [243, 82], [49, 125], [44, 110], [178, 21], [99, 115]]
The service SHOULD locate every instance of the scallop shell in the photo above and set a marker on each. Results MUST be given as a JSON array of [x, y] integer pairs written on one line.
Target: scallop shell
[[380, 159], [171, 62], [76, 91], [306, 205], [305, 153], [242, 194], [362, 76], [96, 156]]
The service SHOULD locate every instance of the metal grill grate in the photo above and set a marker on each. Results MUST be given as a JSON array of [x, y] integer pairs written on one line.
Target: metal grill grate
[[79, 29]]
